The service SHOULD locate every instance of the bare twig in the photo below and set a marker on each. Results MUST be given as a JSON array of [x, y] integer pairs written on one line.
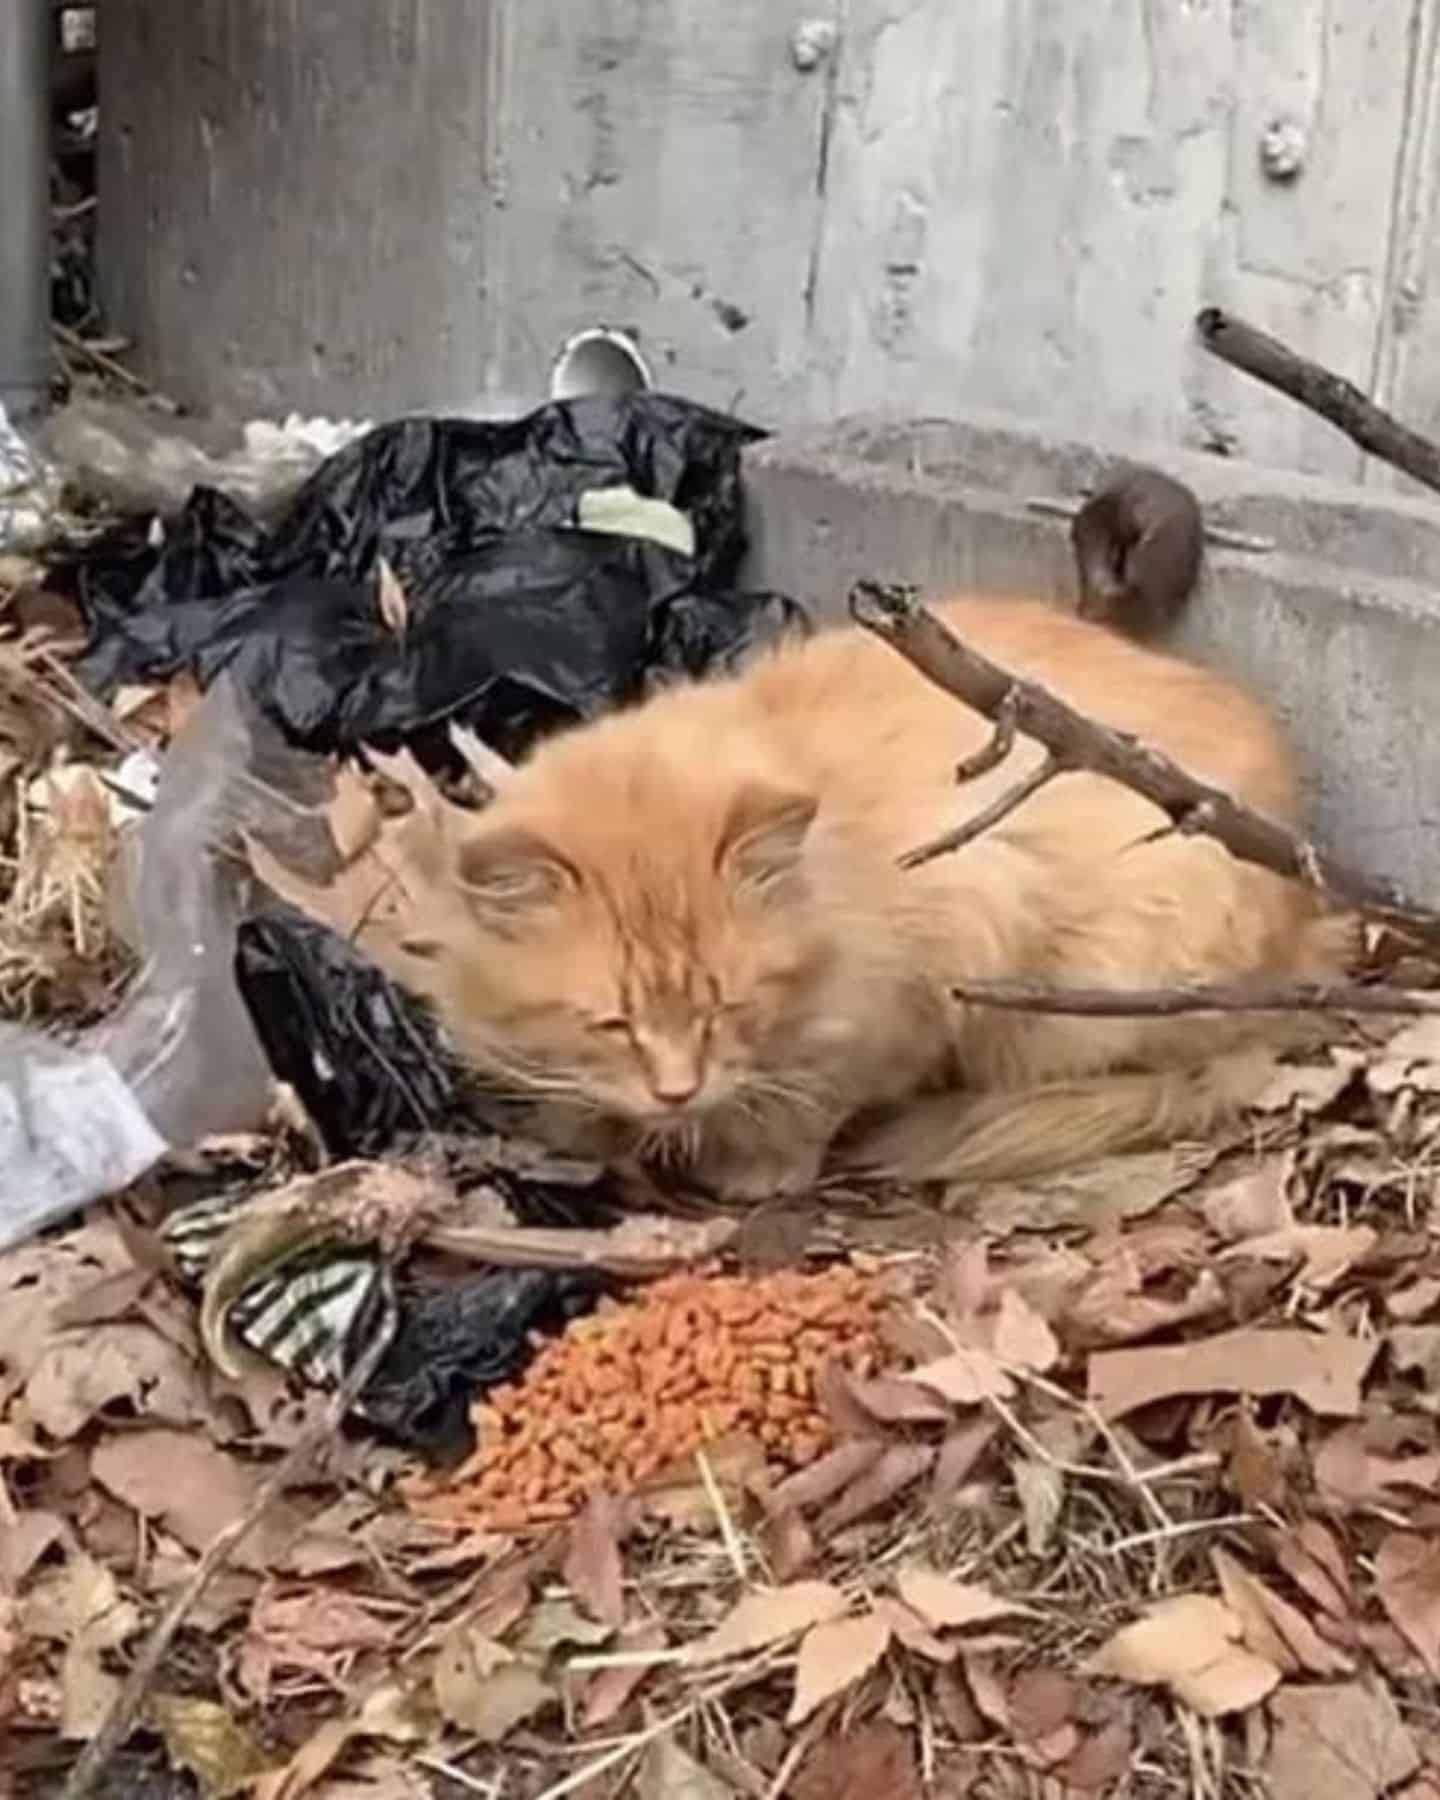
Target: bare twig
[[998, 809], [107, 365], [121, 1720], [1167, 1002], [637, 1248], [895, 615], [990, 756], [1339, 402]]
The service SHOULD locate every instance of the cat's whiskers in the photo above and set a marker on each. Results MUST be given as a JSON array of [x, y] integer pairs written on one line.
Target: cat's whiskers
[[761, 1086]]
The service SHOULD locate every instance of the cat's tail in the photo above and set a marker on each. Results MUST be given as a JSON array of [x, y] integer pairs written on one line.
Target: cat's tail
[[1039, 1130]]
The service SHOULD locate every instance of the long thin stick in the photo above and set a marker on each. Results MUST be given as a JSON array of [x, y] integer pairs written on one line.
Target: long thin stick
[[636, 1249], [1161, 1003], [895, 615], [1339, 402], [998, 809], [121, 1720]]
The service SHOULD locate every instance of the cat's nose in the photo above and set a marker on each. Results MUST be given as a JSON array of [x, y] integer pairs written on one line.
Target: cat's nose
[[674, 1067], [676, 1087]]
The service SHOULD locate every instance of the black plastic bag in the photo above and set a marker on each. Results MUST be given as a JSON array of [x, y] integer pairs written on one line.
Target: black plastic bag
[[518, 621], [456, 1341], [363, 1056]]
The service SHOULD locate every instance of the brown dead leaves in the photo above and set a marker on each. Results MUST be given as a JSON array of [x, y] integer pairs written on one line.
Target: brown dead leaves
[[839, 1646], [1324, 1370], [1192, 1644], [1337, 1742]]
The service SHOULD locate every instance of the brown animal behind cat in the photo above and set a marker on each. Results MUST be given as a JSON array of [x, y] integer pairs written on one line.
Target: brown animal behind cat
[[683, 929]]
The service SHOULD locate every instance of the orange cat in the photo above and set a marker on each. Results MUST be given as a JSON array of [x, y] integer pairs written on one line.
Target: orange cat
[[683, 930]]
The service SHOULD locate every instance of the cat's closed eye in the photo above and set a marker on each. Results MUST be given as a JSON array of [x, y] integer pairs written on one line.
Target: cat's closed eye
[[612, 1025]]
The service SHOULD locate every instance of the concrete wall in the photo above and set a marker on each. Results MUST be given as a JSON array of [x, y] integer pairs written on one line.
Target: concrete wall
[[1321, 598], [1011, 204]]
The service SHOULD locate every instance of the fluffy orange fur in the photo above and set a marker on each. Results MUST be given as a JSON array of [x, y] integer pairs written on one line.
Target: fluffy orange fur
[[683, 931]]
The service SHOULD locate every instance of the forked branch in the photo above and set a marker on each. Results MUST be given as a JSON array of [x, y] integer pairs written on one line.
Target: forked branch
[[896, 615]]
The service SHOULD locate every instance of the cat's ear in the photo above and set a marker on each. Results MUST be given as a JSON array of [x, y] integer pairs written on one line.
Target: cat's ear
[[509, 872], [764, 833]]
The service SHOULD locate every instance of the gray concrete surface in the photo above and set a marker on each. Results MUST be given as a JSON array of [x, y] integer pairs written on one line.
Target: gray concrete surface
[[26, 27], [1324, 597], [803, 211]]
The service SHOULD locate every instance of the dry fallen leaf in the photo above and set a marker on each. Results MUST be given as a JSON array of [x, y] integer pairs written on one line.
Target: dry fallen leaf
[[875, 1762], [831, 1475], [960, 1451], [203, 1738], [787, 1541], [484, 1689], [1272, 1627], [1407, 1580], [1408, 1060], [1313, 1560], [82, 1372], [766, 1616], [1041, 1702], [399, 1714], [25, 1539], [1254, 1469], [1326, 1251], [1307, 1087], [944, 1603], [39, 1277], [833, 1657], [1190, 1644], [1414, 1300], [1101, 1759], [80, 1606], [898, 1467], [1253, 1204], [593, 1567], [668, 1773], [965, 1377], [1040, 1489], [1337, 1743], [195, 1489], [1416, 1349], [1348, 1473], [987, 1689], [1101, 1193], [315, 1629], [1022, 1339], [610, 1688], [556, 1624], [913, 1632], [1111, 1309], [892, 1400], [1322, 1369]]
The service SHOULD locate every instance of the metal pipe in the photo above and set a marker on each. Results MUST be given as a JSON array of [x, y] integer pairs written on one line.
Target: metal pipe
[[26, 30]]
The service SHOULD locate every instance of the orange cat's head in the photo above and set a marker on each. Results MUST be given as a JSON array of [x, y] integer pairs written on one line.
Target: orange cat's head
[[633, 950]]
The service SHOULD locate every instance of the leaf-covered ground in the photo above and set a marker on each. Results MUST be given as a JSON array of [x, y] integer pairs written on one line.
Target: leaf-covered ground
[[1138, 1499]]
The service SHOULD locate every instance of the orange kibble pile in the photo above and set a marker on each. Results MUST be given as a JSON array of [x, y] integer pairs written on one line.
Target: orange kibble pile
[[642, 1383]]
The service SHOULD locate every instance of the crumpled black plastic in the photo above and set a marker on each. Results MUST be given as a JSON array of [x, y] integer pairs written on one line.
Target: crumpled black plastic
[[363, 1056], [453, 1342], [517, 620]]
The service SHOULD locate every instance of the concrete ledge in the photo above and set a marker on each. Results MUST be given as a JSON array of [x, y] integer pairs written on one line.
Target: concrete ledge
[[1327, 601]]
